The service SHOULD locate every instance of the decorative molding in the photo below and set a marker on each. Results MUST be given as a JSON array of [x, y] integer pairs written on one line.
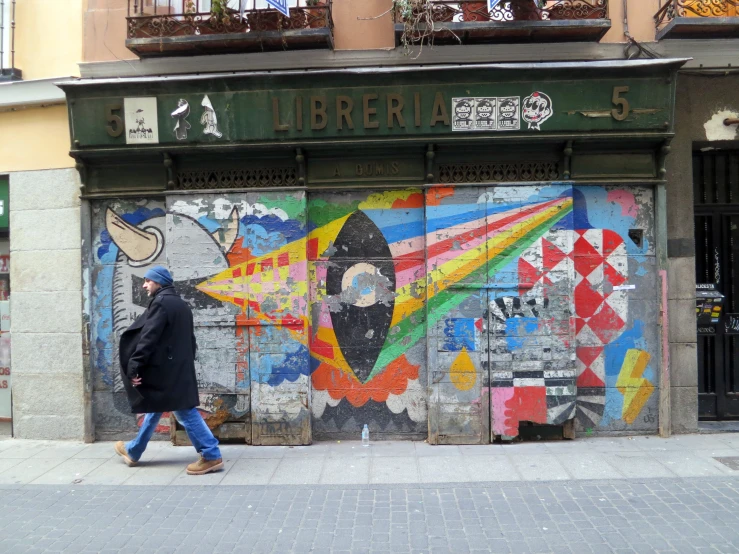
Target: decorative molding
[[498, 172], [237, 178]]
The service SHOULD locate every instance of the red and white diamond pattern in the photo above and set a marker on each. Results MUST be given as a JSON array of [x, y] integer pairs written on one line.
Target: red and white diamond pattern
[[598, 259], [601, 313]]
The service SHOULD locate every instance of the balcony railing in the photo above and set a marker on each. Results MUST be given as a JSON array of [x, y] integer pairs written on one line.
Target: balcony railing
[[697, 19], [8, 71], [510, 20], [171, 27]]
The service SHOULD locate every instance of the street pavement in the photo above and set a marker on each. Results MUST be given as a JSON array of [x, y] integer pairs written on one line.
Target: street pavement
[[630, 494]]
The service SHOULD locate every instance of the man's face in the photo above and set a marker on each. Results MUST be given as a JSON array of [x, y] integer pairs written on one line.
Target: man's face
[[151, 286]]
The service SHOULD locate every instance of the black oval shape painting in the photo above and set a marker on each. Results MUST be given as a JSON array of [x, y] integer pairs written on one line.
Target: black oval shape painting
[[362, 274]]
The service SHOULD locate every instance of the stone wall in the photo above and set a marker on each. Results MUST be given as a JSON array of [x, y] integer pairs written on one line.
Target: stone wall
[[46, 310], [703, 102]]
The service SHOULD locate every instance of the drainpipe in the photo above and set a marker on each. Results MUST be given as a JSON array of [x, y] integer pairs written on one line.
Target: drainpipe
[[660, 210], [2, 36]]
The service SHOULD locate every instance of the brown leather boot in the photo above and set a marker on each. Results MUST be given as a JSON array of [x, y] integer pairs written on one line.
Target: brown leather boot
[[203, 466], [120, 449]]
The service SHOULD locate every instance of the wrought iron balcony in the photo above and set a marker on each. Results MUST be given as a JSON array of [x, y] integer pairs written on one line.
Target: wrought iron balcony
[[470, 21], [185, 27], [697, 19], [8, 70]]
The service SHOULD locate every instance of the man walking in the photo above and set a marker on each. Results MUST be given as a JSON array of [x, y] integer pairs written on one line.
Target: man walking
[[157, 355]]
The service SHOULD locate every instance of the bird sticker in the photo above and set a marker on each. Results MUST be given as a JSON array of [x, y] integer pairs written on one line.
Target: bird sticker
[[180, 114]]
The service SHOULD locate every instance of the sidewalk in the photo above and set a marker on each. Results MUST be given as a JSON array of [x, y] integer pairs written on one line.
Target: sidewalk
[[26, 462]]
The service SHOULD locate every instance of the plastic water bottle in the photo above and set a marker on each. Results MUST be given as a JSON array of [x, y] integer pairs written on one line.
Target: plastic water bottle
[[365, 435]]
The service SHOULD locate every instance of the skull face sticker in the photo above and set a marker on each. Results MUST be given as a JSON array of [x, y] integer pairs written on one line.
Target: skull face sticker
[[463, 119], [537, 108]]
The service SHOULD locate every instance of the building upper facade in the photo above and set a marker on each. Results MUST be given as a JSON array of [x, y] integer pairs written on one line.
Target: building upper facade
[[41, 44], [156, 37]]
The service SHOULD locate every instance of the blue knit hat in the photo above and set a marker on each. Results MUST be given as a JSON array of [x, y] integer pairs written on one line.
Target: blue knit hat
[[160, 275]]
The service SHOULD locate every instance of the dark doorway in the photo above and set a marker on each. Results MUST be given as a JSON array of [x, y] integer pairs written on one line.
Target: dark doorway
[[716, 187]]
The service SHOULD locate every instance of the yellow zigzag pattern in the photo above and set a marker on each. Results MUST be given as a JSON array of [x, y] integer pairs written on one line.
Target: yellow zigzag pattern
[[636, 390]]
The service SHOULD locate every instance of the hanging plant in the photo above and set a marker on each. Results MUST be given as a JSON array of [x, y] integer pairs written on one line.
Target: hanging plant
[[421, 21], [219, 12]]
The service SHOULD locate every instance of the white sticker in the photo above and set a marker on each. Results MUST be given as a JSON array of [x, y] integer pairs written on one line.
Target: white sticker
[[485, 114], [624, 287], [509, 113], [463, 114], [140, 115], [489, 113]]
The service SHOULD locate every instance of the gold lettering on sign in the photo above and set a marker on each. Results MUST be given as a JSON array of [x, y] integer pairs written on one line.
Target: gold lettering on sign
[[369, 112], [417, 107], [394, 110], [377, 169], [276, 116], [318, 117], [439, 113], [344, 107], [299, 112]]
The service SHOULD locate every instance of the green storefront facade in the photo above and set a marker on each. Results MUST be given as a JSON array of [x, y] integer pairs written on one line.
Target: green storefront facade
[[456, 253]]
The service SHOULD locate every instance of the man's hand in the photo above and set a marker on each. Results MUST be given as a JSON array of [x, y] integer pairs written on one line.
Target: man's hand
[[136, 381]]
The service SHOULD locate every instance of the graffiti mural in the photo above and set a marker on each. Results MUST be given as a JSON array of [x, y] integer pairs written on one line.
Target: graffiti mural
[[558, 285], [367, 312], [224, 253], [457, 313]]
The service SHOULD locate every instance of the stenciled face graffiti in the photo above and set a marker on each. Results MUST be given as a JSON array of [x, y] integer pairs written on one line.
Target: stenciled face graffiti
[[461, 312], [537, 108]]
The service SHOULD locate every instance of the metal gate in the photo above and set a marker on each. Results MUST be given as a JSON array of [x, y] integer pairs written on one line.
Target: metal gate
[[716, 191]]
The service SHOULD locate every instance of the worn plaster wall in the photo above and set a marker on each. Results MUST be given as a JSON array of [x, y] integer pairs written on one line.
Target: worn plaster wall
[[544, 310], [46, 306], [457, 313], [703, 102]]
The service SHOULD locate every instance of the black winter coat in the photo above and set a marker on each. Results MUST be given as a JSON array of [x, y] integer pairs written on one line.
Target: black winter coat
[[160, 348]]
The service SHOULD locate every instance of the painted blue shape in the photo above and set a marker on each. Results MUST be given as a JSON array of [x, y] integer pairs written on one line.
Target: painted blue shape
[[517, 328], [291, 230], [460, 333], [614, 406], [211, 225], [315, 363], [274, 369], [493, 3], [580, 210], [507, 280], [567, 223], [103, 301], [641, 269], [280, 6], [593, 209], [396, 227], [260, 241]]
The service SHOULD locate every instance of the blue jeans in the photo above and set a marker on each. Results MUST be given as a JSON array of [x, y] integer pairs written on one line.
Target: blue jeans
[[200, 436]]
